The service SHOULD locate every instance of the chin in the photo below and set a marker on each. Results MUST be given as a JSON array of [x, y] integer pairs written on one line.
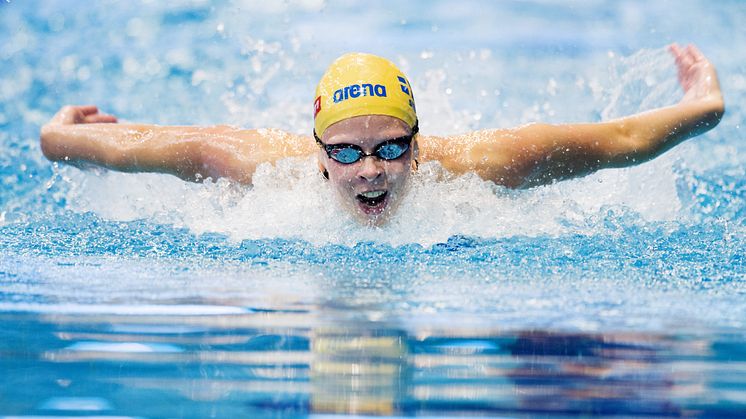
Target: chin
[[370, 215], [373, 218], [376, 215]]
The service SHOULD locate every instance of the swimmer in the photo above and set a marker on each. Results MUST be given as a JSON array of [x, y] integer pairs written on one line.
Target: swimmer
[[367, 141]]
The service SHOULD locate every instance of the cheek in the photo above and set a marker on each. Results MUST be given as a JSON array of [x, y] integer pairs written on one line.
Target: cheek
[[397, 171], [341, 176]]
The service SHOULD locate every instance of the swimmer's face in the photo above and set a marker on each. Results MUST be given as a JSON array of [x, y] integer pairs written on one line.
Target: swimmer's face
[[370, 188]]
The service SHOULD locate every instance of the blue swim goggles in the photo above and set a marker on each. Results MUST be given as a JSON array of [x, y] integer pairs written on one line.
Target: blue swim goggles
[[349, 153]]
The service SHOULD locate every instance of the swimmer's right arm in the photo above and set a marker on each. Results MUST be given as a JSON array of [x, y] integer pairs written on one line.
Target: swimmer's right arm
[[80, 135], [540, 154]]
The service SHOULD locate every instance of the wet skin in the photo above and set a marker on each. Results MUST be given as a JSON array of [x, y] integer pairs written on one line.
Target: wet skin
[[359, 185]]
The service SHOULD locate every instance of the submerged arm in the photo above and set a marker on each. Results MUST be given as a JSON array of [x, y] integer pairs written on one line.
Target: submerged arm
[[79, 135], [539, 154]]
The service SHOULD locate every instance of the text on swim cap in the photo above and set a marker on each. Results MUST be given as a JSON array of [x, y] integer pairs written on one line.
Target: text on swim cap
[[356, 90]]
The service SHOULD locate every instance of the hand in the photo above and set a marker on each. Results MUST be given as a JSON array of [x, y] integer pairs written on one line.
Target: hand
[[88, 114], [58, 144], [697, 75]]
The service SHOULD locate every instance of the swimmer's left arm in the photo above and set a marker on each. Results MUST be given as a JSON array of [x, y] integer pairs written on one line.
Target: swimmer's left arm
[[539, 154]]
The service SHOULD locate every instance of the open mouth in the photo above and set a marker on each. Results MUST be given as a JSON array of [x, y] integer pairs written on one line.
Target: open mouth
[[372, 201]]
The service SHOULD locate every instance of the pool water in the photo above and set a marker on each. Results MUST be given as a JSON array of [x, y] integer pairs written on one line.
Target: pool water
[[139, 295]]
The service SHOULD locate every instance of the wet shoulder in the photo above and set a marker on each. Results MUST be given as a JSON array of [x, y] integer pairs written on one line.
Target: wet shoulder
[[466, 152]]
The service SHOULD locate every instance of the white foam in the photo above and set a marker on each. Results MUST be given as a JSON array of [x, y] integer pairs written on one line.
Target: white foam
[[291, 200]]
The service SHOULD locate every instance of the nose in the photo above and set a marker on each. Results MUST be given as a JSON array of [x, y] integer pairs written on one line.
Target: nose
[[370, 168]]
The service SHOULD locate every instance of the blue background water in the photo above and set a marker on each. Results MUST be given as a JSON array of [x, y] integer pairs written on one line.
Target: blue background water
[[623, 292]]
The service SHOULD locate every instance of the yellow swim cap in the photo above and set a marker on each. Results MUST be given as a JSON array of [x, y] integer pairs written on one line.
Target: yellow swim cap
[[362, 84]]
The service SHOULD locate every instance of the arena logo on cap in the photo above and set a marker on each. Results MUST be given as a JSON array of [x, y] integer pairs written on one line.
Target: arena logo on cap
[[356, 90]]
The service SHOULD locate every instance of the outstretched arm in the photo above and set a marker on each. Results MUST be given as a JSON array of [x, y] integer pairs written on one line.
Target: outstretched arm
[[80, 135], [539, 154]]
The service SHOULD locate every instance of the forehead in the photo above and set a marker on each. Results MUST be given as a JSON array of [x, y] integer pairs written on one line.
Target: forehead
[[365, 130]]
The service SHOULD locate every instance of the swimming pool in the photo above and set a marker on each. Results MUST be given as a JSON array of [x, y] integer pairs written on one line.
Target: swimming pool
[[142, 296]]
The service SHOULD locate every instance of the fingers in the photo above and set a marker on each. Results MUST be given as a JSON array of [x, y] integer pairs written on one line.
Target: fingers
[[85, 114], [686, 56], [696, 53], [87, 109], [675, 49], [100, 119], [696, 74]]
